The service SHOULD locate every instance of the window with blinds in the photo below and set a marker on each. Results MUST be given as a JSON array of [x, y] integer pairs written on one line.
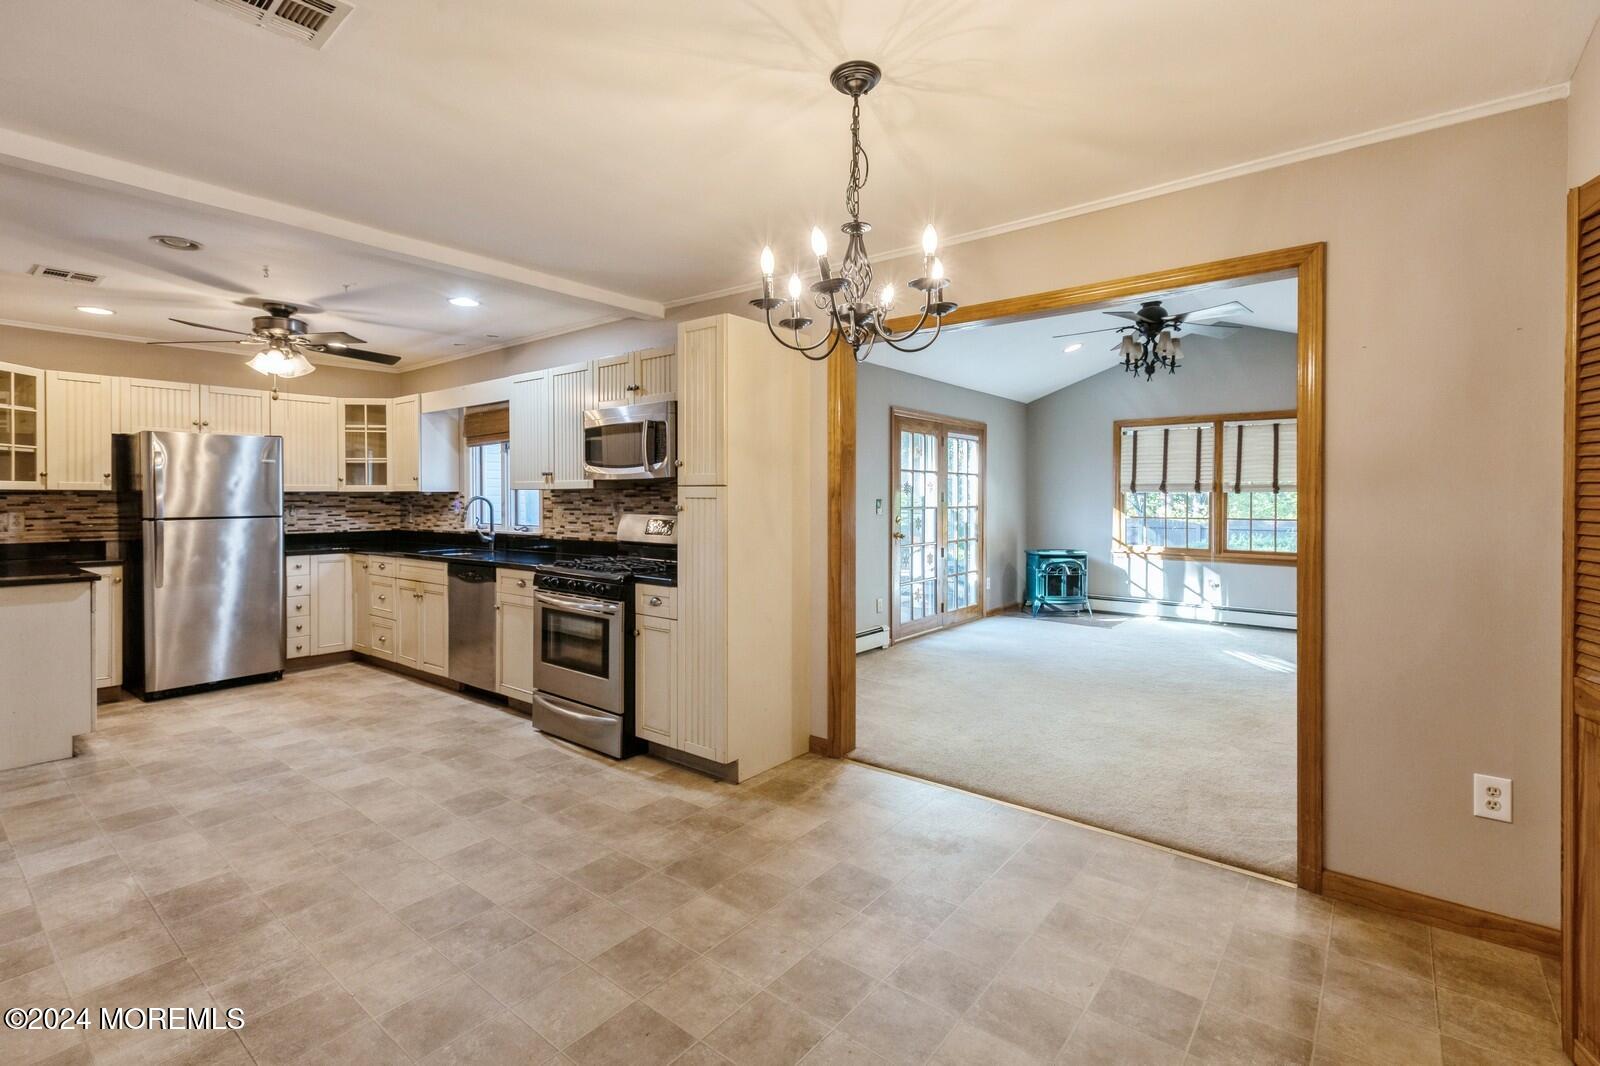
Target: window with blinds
[[488, 436], [1221, 486]]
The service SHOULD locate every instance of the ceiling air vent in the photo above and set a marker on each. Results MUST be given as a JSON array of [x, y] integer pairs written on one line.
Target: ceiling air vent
[[80, 277], [307, 21]]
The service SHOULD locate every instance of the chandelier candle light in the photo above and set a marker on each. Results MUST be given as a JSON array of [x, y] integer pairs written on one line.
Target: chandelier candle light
[[856, 315]]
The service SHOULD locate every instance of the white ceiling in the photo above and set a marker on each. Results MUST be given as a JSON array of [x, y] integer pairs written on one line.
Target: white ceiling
[[1024, 359], [399, 307], [648, 150]]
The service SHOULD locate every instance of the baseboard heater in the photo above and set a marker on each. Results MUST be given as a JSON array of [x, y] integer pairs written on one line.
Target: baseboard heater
[[1193, 612], [867, 639]]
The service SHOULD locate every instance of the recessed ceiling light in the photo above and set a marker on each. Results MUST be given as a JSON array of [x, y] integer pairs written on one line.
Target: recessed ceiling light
[[177, 244], [97, 310], [463, 301], [1074, 346]]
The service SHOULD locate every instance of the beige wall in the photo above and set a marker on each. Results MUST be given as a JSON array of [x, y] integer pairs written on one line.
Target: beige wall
[[1444, 410], [613, 338], [1583, 116], [95, 355]]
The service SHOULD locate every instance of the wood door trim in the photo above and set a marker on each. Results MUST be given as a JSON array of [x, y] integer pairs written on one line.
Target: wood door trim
[[903, 416], [1442, 913], [1307, 263]]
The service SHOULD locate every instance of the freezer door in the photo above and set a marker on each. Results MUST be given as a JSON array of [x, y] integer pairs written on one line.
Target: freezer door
[[213, 600], [210, 475]]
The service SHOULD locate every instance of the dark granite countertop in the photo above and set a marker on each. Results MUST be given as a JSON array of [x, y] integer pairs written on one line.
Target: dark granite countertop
[[15, 572], [55, 562], [512, 551]]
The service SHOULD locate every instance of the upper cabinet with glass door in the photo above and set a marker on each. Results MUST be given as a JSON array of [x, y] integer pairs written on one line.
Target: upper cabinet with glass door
[[365, 428], [21, 427]]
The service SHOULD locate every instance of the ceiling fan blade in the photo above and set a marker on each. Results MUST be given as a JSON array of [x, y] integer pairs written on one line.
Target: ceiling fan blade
[[1087, 332], [1209, 329], [336, 338], [202, 325], [355, 353], [1131, 316], [1207, 313]]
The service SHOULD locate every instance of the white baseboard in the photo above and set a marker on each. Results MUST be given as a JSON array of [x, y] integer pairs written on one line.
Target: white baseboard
[[1196, 612], [877, 637]]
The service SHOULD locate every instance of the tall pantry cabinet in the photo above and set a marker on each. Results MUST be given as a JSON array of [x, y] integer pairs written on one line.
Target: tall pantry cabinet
[[741, 693]]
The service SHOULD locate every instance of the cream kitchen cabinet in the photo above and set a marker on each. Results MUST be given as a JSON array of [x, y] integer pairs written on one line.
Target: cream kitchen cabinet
[[655, 655], [514, 638], [632, 376], [22, 417], [570, 396], [547, 428], [422, 626], [317, 604], [224, 409], [309, 426], [426, 451], [364, 444], [107, 610], [330, 603], [530, 431], [147, 404], [703, 401], [742, 691], [78, 438], [360, 593]]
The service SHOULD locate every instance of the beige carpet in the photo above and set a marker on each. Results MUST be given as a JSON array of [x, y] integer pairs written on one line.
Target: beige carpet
[[1174, 732]]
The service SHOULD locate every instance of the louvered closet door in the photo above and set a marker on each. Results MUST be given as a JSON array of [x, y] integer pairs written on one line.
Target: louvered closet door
[[1581, 866]]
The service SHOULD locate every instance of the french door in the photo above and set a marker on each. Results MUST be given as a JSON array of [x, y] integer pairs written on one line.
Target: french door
[[936, 527]]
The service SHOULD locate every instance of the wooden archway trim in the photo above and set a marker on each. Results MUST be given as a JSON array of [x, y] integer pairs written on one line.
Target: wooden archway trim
[[1308, 263]]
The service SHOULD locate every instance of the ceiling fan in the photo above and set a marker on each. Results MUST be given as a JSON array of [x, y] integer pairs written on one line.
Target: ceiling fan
[[1151, 340], [285, 341]]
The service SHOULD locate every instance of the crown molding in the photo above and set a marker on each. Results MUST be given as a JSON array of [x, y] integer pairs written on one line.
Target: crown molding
[[1410, 128]]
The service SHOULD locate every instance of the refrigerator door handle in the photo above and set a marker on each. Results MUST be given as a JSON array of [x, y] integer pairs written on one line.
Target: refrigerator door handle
[[158, 478], [158, 560]]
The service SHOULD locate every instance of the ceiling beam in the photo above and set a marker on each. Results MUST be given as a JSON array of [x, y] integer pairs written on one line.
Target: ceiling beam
[[37, 154]]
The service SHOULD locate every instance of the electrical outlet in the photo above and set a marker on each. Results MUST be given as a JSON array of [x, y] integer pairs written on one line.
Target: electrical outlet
[[877, 507], [878, 604], [988, 584], [1491, 797]]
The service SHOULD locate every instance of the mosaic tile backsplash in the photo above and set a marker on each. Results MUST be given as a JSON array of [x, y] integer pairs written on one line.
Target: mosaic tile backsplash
[[570, 514]]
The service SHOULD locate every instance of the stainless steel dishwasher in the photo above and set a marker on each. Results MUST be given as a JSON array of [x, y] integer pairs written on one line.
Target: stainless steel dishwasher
[[472, 634]]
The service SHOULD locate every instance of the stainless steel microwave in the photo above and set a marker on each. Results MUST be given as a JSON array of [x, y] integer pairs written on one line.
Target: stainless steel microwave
[[631, 442]]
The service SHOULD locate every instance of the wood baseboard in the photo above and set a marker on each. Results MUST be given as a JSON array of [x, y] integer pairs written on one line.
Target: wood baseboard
[[819, 745], [1442, 913], [1002, 609]]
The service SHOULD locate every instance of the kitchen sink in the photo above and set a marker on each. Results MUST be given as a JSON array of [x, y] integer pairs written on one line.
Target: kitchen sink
[[459, 553]]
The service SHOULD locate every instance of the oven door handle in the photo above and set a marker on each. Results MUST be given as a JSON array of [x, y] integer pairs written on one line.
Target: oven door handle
[[568, 603]]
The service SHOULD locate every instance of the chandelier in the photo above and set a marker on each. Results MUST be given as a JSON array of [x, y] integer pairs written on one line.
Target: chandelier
[[856, 315], [1145, 351]]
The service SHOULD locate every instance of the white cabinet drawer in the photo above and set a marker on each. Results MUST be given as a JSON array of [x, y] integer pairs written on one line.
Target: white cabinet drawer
[[382, 596], [514, 582], [297, 566], [382, 646], [657, 601], [297, 627], [382, 564], [297, 585], [297, 607], [412, 570], [296, 648]]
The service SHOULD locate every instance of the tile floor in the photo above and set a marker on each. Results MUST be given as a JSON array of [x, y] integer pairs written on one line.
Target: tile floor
[[376, 870]]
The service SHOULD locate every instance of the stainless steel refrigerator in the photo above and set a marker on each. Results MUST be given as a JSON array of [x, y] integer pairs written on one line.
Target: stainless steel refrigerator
[[209, 607]]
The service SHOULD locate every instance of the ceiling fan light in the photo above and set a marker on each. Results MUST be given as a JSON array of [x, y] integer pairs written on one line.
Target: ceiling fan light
[[1130, 348], [270, 361], [296, 366]]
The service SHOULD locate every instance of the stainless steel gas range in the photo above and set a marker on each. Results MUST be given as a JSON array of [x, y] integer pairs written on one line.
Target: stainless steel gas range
[[583, 663]]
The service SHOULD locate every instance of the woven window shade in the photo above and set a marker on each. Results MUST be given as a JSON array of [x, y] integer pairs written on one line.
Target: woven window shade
[[487, 425], [1259, 456], [1176, 458]]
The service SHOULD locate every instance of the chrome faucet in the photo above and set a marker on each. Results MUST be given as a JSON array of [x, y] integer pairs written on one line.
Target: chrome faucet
[[486, 537]]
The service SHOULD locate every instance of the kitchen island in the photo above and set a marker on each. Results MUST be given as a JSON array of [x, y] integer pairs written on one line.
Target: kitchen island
[[47, 694]]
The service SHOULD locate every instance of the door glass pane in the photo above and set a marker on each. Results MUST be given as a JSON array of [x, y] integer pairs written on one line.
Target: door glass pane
[[5, 386], [26, 390], [377, 415], [355, 444], [27, 466], [5, 465], [355, 474]]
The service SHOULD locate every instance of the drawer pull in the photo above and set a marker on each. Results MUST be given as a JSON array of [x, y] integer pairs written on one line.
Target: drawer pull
[[383, 639], [654, 601], [522, 583]]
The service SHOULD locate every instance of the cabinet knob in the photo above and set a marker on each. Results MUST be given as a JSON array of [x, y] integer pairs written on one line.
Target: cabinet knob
[[654, 601], [207, 422], [522, 583], [677, 462], [678, 507], [638, 632], [382, 597], [107, 474], [383, 640]]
